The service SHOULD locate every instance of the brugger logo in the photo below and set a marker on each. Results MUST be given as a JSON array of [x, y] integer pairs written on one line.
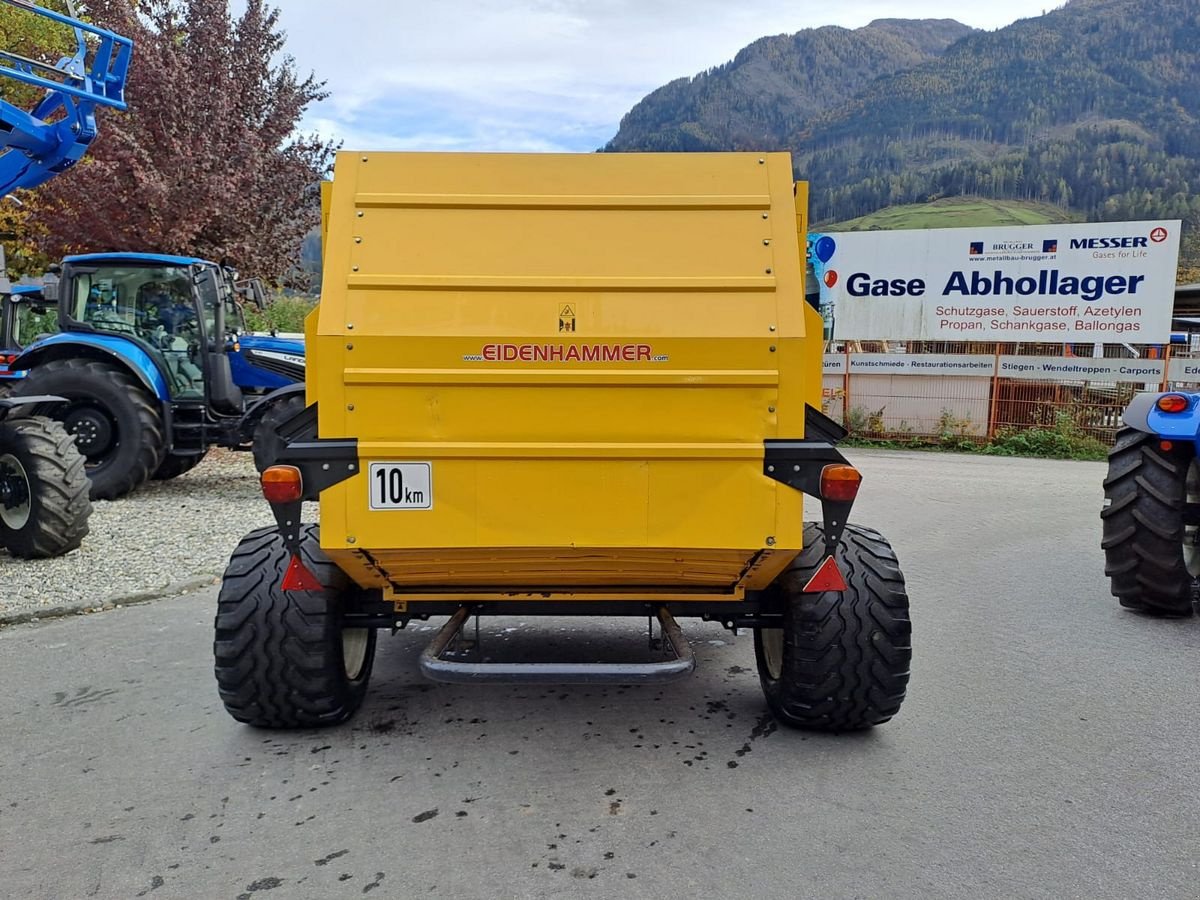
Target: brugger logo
[[566, 353]]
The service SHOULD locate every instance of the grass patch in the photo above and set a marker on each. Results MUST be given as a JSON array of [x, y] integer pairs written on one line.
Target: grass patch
[[957, 212], [1062, 440]]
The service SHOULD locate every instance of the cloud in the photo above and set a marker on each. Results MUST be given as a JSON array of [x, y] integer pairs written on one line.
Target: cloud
[[538, 74]]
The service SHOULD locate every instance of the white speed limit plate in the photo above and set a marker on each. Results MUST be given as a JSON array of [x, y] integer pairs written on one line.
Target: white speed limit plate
[[401, 485]]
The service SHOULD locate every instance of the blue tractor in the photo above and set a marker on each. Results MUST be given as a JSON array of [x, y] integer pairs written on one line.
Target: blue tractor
[[44, 505], [23, 313], [156, 366], [1151, 514]]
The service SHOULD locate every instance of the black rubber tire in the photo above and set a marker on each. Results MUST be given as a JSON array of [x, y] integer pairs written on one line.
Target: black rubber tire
[[110, 393], [843, 658], [279, 654], [267, 443], [174, 465], [6, 386], [42, 456], [1144, 496]]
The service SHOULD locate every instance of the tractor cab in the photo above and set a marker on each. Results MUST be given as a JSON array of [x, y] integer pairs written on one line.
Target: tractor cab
[[173, 309], [25, 316]]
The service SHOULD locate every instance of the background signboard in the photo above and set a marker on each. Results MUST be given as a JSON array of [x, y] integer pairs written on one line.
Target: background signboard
[[1028, 368], [1101, 283]]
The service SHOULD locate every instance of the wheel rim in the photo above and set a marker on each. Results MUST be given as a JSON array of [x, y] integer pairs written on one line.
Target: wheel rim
[[14, 493], [772, 651], [354, 650], [1191, 533], [94, 432]]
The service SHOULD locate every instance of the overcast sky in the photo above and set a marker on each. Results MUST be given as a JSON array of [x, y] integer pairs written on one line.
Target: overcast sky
[[542, 74]]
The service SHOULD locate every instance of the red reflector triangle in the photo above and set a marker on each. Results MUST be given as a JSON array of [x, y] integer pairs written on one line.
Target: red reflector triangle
[[827, 578], [298, 578]]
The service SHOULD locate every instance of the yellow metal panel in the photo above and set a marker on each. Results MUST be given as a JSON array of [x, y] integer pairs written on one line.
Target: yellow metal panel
[[624, 573], [589, 350], [326, 201]]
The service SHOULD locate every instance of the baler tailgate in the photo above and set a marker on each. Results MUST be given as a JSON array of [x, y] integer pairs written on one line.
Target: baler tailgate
[[588, 357]]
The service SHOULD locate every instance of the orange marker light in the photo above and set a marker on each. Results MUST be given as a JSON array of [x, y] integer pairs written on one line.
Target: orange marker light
[[1166, 446], [1172, 403], [282, 484], [840, 483]]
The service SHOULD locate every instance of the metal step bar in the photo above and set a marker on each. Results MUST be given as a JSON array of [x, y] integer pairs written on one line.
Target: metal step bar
[[435, 668]]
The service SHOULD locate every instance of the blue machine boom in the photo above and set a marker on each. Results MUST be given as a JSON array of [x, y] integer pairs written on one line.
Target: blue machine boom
[[37, 144]]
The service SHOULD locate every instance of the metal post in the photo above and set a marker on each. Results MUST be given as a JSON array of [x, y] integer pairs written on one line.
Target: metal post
[[994, 396], [846, 388], [5, 284]]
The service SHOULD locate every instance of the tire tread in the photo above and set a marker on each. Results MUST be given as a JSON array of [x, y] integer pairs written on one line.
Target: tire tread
[[60, 507], [847, 655], [1143, 525], [278, 657]]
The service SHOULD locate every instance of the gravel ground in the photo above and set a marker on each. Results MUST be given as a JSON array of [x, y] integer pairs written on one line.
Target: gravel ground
[[167, 533]]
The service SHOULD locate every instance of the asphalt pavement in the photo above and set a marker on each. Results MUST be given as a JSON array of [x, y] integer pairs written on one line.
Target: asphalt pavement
[[1049, 747]]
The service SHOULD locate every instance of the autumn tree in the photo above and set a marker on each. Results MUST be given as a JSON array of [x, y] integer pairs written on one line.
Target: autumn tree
[[33, 37], [207, 160]]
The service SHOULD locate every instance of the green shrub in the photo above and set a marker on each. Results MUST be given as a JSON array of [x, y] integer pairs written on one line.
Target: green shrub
[[283, 313], [1062, 440], [863, 422]]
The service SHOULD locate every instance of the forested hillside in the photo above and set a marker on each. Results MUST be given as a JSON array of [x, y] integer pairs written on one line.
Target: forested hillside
[[777, 85], [1093, 107]]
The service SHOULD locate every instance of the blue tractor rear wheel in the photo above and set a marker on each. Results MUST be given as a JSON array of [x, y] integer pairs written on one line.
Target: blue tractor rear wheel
[[44, 504], [118, 427], [1151, 537]]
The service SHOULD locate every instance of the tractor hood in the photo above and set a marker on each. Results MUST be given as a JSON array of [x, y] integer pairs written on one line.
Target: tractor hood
[[267, 362]]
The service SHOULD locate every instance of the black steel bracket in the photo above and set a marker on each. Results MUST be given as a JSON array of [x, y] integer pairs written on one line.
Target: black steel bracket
[[799, 464], [322, 464]]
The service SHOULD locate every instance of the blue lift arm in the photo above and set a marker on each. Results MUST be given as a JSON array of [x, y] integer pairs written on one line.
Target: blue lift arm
[[38, 144]]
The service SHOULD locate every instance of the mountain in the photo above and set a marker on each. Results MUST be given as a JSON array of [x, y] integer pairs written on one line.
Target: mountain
[[772, 88], [1093, 107]]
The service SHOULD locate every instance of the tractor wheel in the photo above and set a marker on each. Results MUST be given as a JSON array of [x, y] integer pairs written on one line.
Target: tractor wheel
[[840, 662], [267, 442], [283, 658], [117, 425], [1151, 552], [174, 465], [44, 504]]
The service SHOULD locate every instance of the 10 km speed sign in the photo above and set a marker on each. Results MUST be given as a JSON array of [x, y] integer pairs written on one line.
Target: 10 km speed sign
[[397, 485]]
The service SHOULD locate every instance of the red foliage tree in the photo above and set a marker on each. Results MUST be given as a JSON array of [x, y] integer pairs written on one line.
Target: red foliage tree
[[207, 161]]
